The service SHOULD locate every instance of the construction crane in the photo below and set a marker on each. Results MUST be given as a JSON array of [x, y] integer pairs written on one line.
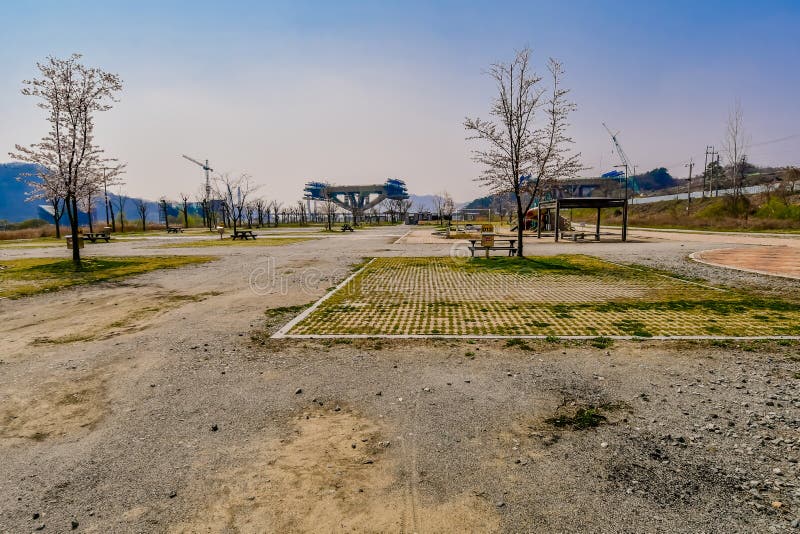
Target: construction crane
[[206, 200], [622, 156], [205, 168]]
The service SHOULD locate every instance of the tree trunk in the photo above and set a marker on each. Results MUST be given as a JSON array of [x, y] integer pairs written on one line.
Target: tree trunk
[[57, 218], [113, 218], [89, 214], [185, 215], [520, 225], [72, 213]]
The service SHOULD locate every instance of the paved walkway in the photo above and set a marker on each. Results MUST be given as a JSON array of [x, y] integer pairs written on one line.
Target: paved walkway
[[772, 260]]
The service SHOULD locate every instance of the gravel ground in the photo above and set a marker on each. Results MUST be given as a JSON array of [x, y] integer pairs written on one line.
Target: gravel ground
[[191, 419]]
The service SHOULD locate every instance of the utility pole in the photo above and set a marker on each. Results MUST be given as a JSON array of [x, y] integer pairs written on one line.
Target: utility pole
[[625, 166], [689, 184], [105, 193], [706, 180], [714, 176]]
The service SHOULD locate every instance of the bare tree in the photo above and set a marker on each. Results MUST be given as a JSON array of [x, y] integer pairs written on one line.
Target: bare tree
[[329, 210], [141, 208], [791, 179], [262, 208], [108, 174], [448, 206], [438, 204], [71, 93], [276, 206], [121, 198], [519, 156], [403, 207], [500, 205], [86, 201], [249, 212], [185, 208], [234, 192], [734, 146], [301, 212]]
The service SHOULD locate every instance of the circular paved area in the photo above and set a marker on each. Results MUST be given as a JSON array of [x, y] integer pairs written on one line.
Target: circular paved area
[[772, 260]]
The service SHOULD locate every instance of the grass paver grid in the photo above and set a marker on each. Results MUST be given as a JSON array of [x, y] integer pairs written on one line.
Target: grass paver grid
[[558, 296]]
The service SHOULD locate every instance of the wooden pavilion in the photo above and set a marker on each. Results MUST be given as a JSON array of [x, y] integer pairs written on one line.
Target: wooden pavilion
[[597, 203]]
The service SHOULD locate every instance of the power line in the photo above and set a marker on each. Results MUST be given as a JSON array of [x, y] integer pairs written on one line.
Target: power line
[[775, 140]]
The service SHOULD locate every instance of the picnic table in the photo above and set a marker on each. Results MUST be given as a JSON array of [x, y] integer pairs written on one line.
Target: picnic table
[[511, 248], [174, 229], [347, 228], [243, 234], [94, 237]]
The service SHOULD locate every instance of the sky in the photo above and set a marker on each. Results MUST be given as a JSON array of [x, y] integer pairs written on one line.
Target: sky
[[358, 92]]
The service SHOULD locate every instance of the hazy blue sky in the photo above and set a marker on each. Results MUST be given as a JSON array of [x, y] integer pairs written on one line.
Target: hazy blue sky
[[362, 91]]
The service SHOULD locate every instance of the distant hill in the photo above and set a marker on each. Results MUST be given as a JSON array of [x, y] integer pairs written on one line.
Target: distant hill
[[422, 202], [427, 203], [13, 207], [656, 179]]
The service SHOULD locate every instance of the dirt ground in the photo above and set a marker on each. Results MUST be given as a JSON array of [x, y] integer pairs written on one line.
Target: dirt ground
[[160, 404]]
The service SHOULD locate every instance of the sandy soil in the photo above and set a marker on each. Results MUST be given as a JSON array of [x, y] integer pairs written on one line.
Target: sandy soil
[[179, 414], [772, 260]]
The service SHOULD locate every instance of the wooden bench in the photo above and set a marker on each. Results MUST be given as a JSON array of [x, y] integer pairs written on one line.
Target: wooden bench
[[511, 248], [243, 234], [97, 236], [347, 228], [174, 229]]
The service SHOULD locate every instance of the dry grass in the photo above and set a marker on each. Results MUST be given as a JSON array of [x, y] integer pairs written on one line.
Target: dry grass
[[29, 233], [703, 214], [24, 277]]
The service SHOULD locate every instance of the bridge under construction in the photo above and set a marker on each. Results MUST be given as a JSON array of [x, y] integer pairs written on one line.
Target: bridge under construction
[[356, 198]]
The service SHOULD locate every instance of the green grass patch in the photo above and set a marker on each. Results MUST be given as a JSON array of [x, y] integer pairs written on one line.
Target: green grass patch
[[582, 419], [541, 265], [24, 277], [516, 342], [285, 310], [542, 296], [602, 342]]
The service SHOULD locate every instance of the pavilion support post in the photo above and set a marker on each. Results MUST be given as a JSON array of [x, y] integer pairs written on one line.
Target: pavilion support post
[[558, 218], [597, 227], [625, 221]]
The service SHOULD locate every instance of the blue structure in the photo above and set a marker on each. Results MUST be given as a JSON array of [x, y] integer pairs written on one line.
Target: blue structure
[[356, 198], [620, 177]]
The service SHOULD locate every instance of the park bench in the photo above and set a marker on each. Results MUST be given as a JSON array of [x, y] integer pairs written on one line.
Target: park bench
[[94, 237], [175, 229], [347, 228], [243, 234], [511, 248]]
